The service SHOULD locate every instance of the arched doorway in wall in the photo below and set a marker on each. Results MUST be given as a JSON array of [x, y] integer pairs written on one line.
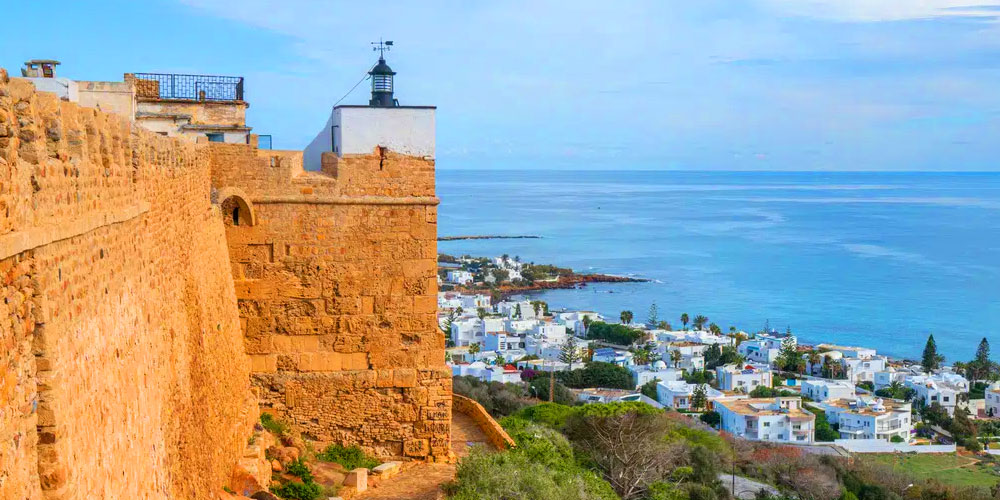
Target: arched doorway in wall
[[236, 208]]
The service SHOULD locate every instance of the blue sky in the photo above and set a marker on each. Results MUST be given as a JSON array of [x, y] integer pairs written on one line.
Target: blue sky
[[707, 84]]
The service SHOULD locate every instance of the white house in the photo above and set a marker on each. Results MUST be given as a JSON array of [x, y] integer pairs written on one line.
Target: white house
[[609, 355], [502, 342], [482, 371], [678, 393], [474, 302], [743, 378], [764, 348], [993, 400], [823, 390], [643, 374], [459, 277], [692, 358], [521, 309], [867, 417], [943, 388], [600, 395], [466, 331], [863, 369], [780, 420], [886, 377], [848, 351]]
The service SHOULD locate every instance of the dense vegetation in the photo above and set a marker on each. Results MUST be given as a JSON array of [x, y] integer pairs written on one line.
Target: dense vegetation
[[613, 333], [602, 451], [597, 374]]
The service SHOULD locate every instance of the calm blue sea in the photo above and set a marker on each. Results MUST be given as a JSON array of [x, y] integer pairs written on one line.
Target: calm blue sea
[[877, 259]]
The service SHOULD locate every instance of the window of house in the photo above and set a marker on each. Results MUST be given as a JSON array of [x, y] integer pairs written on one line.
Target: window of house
[[216, 137], [946, 399], [767, 424]]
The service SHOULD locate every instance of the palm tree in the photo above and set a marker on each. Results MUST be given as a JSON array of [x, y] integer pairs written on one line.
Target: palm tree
[[685, 319], [715, 329], [473, 349], [699, 322], [675, 356], [626, 317], [499, 361], [586, 324]]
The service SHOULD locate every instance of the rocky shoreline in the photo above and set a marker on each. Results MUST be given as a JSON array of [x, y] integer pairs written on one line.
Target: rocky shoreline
[[563, 282]]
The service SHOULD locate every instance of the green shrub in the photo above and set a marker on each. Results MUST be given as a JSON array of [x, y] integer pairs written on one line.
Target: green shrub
[[553, 415], [711, 418], [350, 457], [897, 439], [512, 474], [299, 469], [542, 445], [614, 333], [297, 491], [597, 374], [273, 425]]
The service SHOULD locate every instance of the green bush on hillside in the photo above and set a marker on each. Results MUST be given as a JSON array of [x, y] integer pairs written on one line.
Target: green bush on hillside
[[597, 374], [350, 457]]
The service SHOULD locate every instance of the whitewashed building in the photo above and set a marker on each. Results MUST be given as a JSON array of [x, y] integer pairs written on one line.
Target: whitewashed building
[[613, 356], [763, 348], [643, 374], [993, 401], [677, 394], [942, 388], [779, 420], [823, 390], [459, 277], [869, 417], [743, 378]]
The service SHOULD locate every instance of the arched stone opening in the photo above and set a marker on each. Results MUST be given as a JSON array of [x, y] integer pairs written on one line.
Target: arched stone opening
[[235, 207]]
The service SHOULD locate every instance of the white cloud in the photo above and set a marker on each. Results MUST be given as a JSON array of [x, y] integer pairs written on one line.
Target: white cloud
[[883, 10]]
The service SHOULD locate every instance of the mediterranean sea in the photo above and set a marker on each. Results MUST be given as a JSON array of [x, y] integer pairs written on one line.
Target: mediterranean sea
[[872, 259]]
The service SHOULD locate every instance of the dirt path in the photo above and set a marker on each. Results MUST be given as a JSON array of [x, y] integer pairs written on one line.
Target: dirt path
[[423, 481]]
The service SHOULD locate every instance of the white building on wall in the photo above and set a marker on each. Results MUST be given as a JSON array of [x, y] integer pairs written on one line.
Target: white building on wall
[[869, 417], [779, 420], [823, 390], [744, 378]]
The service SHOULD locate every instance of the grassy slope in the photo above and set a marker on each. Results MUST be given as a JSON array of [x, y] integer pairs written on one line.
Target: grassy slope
[[947, 468]]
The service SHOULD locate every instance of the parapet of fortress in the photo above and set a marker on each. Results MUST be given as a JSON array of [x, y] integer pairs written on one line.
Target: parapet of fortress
[[160, 288]]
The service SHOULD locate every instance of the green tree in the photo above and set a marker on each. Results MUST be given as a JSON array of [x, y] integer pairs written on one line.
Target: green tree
[[499, 360], [663, 325], [537, 306], [685, 319], [652, 318], [980, 367], [649, 389], [473, 349], [789, 358], [675, 357], [699, 397], [481, 312], [626, 317], [569, 352], [715, 329], [586, 324], [517, 311], [699, 322], [931, 360]]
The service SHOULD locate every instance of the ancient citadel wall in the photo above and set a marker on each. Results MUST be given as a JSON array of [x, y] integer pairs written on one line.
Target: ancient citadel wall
[[336, 284], [122, 366]]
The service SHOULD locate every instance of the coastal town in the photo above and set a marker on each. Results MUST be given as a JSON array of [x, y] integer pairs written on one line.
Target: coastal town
[[760, 386]]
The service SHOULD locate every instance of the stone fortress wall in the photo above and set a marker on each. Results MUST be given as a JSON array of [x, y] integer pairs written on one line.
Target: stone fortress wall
[[123, 368], [156, 291], [335, 275]]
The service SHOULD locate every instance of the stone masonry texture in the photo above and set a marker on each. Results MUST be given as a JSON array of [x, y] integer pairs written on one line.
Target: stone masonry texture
[[156, 293], [335, 277], [124, 373]]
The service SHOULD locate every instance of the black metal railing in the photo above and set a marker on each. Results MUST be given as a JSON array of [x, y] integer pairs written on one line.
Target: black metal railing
[[189, 87]]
